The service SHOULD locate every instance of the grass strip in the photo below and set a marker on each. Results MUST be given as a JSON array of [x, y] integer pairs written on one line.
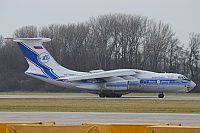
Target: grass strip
[[100, 105]]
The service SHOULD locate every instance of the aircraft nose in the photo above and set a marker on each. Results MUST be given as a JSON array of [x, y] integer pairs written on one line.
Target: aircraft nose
[[193, 84]]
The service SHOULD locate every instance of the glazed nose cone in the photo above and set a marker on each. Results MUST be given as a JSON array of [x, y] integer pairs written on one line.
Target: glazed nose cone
[[193, 84]]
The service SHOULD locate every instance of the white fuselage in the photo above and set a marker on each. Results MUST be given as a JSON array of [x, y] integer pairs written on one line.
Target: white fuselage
[[143, 81]]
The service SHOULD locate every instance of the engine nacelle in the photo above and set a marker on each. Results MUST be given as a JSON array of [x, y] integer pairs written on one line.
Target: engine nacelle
[[123, 85], [133, 84]]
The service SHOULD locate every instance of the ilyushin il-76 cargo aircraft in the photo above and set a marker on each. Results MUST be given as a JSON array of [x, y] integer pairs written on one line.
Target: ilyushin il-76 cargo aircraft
[[112, 83]]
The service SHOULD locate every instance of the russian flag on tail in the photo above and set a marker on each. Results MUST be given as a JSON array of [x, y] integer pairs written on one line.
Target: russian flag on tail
[[38, 47]]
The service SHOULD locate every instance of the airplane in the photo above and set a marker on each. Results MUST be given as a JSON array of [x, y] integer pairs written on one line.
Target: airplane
[[112, 83]]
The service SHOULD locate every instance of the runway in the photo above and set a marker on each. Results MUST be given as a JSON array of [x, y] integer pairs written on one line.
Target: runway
[[89, 96], [80, 117]]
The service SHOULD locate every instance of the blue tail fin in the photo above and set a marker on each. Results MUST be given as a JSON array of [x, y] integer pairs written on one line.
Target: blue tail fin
[[41, 63]]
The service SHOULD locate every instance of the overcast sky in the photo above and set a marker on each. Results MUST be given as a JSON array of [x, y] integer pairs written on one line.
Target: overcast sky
[[182, 15]]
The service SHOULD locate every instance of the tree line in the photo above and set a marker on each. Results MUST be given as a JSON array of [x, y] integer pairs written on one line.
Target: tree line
[[105, 42]]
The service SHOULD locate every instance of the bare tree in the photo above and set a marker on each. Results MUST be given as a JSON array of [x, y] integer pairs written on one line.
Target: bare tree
[[173, 47], [194, 46], [1, 41], [26, 32], [157, 41], [100, 29]]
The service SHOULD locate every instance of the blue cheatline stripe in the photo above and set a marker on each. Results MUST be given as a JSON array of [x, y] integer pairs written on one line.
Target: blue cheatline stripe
[[133, 83], [32, 56], [122, 84], [164, 82], [150, 82], [119, 84]]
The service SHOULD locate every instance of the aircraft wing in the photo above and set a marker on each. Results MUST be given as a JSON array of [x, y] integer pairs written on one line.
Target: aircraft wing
[[103, 74]]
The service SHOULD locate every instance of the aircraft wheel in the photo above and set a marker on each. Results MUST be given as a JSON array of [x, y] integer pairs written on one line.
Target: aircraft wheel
[[161, 95], [118, 96], [102, 95], [111, 95]]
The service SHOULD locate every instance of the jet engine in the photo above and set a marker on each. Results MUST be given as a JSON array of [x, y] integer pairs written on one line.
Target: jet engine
[[123, 85]]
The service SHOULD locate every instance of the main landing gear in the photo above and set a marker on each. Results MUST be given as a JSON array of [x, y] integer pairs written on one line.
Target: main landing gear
[[111, 95], [161, 95]]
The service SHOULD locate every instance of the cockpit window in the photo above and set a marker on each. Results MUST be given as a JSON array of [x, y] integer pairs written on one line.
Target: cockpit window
[[183, 78]]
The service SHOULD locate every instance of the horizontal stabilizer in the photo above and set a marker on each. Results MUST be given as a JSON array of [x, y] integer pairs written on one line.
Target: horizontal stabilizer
[[32, 40]]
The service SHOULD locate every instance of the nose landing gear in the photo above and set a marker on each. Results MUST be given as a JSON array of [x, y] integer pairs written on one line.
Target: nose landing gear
[[161, 95]]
